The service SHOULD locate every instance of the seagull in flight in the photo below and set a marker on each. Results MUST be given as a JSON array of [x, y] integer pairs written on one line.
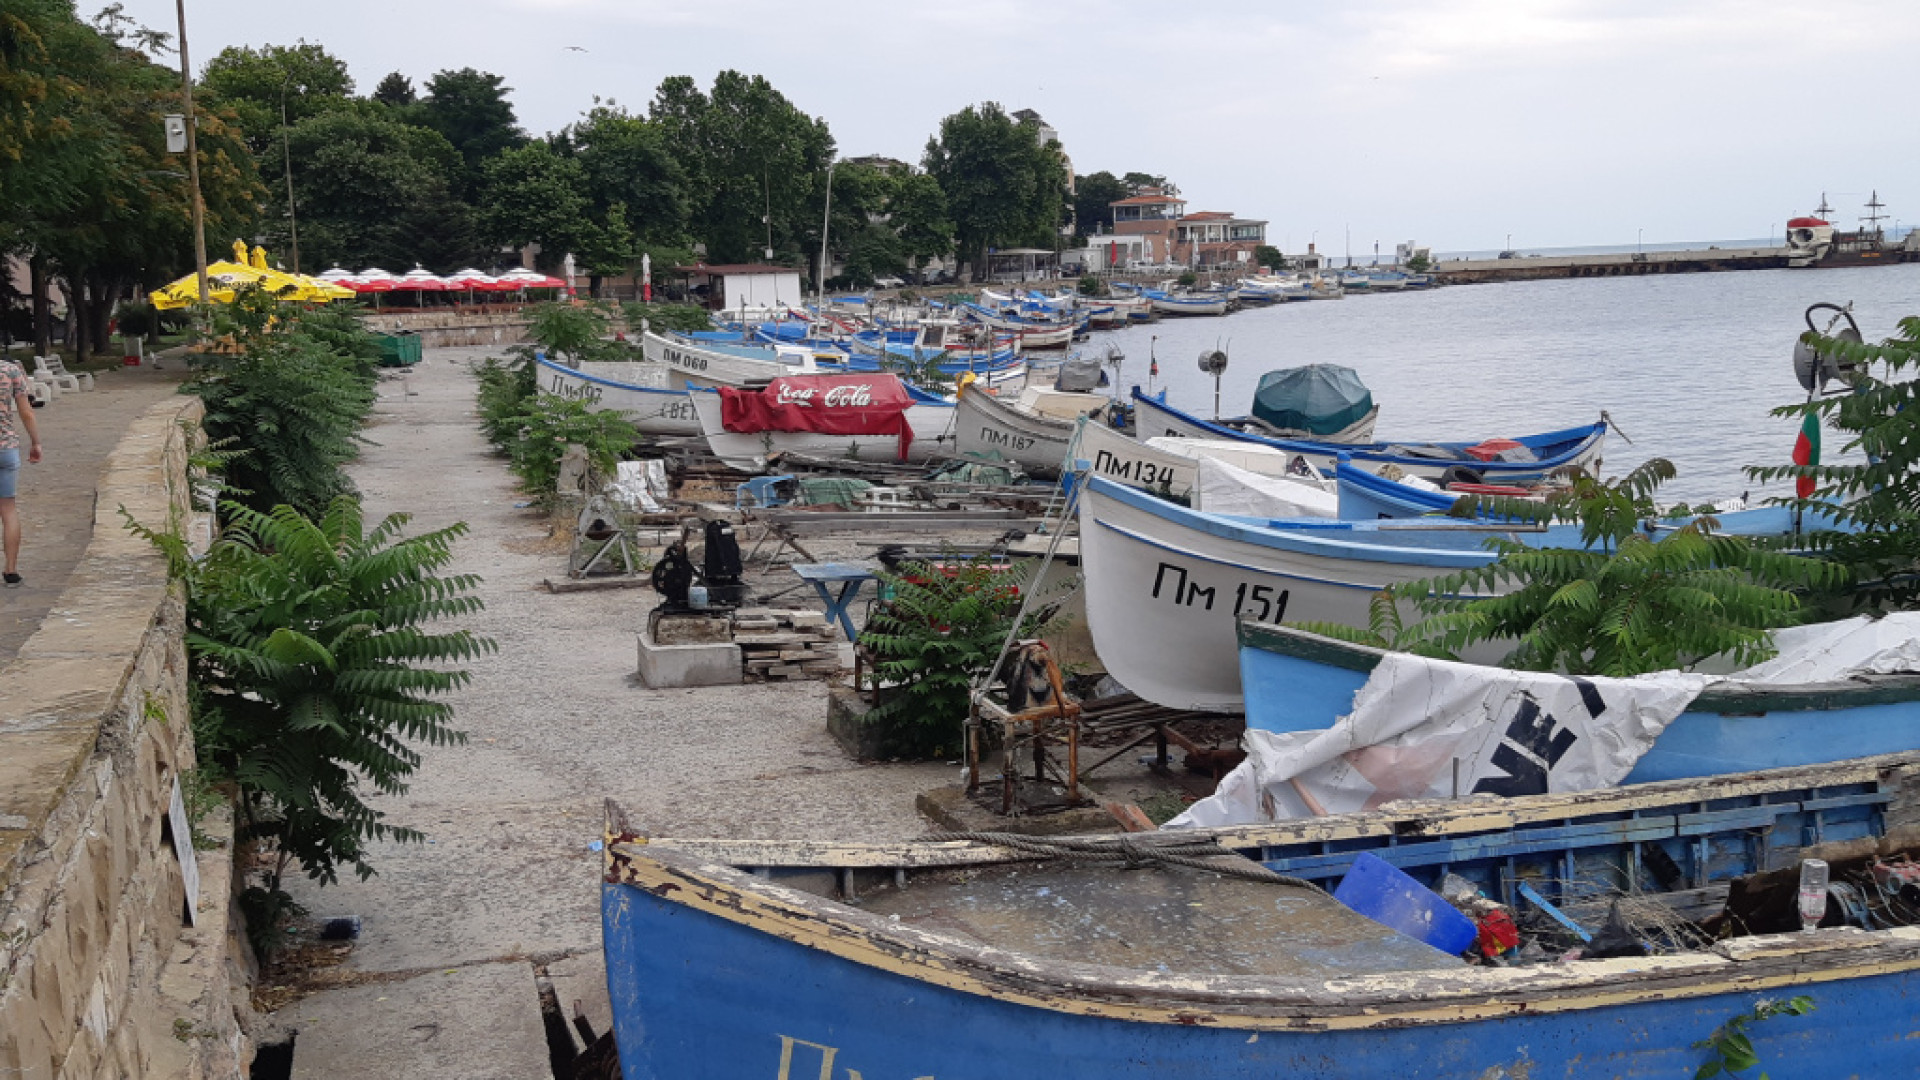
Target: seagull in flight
[[575, 48]]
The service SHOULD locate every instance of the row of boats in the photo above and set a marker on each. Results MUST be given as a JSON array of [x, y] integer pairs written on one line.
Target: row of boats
[[1212, 951]]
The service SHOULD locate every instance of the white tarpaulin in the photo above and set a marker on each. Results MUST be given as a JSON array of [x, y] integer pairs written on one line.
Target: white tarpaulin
[[1512, 732], [640, 485], [1230, 489]]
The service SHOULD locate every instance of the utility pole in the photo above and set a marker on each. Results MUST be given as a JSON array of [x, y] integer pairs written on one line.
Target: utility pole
[[826, 216], [286, 149], [193, 158]]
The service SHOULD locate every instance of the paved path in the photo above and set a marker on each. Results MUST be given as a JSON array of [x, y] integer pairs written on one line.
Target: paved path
[[56, 496], [554, 725]]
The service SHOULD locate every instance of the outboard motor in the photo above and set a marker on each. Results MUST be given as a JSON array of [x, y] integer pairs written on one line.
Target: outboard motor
[[673, 576], [722, 570]]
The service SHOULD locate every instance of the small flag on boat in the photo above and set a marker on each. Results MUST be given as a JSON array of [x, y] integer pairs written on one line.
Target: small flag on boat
[[1806, 452], [1153, 367]]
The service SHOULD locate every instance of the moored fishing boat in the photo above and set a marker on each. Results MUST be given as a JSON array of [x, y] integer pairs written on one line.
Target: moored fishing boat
[[637, 391], [1178, 304], [869, 415], [1536, 456], [1021, 431], [924, 959], [712, 364], [1158, 572]]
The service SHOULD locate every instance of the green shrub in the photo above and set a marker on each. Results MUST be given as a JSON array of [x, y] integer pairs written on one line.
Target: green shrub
[[312, 671], [669, 318], [288, 389], [567, 329], [1623, 604], [1091, 286], [941, 628], [506, 385], [1188, 279], [548, 424]]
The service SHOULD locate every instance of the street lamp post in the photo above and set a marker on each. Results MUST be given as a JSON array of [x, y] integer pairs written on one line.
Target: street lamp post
[[193, 158], [826, 216], [1637, 234]]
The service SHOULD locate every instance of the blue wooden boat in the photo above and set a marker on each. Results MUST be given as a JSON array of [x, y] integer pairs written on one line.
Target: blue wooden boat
[[1550, 451], [966, 959], [1296, 681]]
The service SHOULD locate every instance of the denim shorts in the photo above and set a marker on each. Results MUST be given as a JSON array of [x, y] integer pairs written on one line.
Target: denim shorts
[[9, 472]]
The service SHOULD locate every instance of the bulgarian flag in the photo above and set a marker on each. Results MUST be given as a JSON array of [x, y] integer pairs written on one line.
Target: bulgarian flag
[[1806, 452]]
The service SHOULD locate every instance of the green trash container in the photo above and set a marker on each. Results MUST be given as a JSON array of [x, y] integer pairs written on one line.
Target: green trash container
[[399, 350]]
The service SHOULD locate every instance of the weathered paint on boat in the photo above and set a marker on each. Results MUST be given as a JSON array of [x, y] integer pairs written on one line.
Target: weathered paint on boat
[[1037, 443], [1557, 450], [653, 410], [1113, 456], [717, 971], [1297, 681], [688, 364]]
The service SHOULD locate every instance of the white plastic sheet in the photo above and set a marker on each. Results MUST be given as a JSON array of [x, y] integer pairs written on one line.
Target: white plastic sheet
[[1513, 732], [640, 485], [1223, 488]]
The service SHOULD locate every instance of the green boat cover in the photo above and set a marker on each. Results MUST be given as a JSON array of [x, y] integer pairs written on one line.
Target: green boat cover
[[1318, 398]]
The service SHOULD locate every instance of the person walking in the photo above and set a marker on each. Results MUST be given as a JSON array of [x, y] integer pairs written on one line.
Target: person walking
[[16, 412]]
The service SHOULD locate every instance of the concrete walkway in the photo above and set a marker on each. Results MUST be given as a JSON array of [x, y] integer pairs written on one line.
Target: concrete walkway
[[56, 496], [507, 885]]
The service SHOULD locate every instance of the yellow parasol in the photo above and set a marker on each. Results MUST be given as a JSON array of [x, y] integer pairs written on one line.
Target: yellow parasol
[[224, 278]]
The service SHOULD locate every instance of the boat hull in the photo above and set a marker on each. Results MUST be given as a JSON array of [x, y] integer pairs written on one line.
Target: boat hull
[[1173, 305], [748, 451], [652, 410], [1038, 444], [714, 973], [1154, 418], [692, 365], [1301, 682], [1112, 456], [1158, 575]]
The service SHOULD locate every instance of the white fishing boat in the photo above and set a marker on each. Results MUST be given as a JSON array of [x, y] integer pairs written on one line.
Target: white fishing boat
[[1190, 305], [691, 364], [638, 391], [1538, 454], [748, 447], [1164, 586], [1169, 466], [1034, 430]]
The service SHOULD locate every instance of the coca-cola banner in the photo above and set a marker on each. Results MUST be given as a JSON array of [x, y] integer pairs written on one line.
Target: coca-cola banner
[[871, 403]]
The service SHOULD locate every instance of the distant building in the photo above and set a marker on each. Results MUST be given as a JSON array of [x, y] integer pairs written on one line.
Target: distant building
[[1045, 133], [1151, 215], [739, 286], [1213, 238]]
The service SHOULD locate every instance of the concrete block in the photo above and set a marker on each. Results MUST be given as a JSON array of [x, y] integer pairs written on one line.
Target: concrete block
[[693, 630], [711, 664]]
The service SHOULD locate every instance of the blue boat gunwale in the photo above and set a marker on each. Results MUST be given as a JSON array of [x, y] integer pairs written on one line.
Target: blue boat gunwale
[[1571, 443], [707, 876], [603, 381], [1304, 539], [1725, 698]]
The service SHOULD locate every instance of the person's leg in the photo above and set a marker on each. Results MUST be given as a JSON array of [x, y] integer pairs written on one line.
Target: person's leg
[[9, 516]]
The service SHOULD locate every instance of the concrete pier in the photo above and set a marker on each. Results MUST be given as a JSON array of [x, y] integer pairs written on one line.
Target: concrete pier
[[1613, 264]]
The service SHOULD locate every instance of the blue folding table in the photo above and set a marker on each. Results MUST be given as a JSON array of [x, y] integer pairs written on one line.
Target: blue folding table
[[848, 576]]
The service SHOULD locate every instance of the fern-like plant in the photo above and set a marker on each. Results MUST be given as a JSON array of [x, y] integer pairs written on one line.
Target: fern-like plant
[[1879, 498], [1640, 595], [941, 626], [316, 673]]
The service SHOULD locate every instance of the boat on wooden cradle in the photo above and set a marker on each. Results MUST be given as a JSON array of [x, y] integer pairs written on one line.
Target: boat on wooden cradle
[[1178, 955], [637, 391], [1158, 572], [1519, 460], [870, 416], [1334, 727], [712, 364]]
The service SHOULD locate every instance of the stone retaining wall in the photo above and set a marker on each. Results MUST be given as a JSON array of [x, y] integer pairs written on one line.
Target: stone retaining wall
[[441, 327], [99, 974]]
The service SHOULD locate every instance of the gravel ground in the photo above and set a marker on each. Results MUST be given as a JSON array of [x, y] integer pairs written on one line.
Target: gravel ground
[[555, 724]]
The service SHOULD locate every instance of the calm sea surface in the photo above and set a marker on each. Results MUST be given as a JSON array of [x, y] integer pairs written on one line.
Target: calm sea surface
[[1688, 365]]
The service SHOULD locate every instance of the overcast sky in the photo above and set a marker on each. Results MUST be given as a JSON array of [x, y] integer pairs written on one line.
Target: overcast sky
[[1450, 122]]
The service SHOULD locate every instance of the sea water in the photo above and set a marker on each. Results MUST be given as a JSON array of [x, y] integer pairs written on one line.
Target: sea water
[[1687, 365]]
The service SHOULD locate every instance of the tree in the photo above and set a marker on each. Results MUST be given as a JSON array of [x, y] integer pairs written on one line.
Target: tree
[[255, 83], [375, 191], [918, 215], [1270, 257], [636, 192], [755, 165], [1093, 199], [470, 110], [1003, 187], [531, 195], [1138, 182], [395, 91]]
